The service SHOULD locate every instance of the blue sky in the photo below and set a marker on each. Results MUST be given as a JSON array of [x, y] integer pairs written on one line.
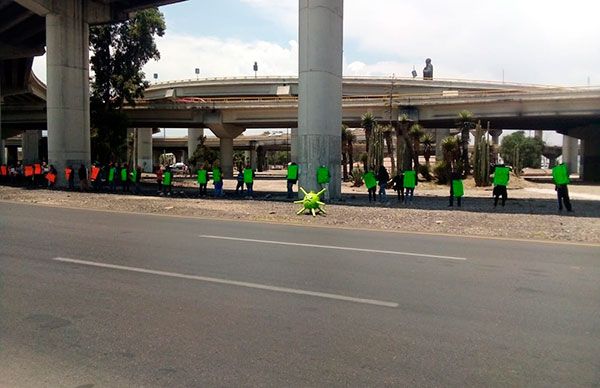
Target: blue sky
[[529, 41]]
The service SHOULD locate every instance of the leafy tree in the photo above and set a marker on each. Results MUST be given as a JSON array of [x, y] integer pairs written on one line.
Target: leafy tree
[[119, 51], [520, 151], [465, 124], [368, 123]]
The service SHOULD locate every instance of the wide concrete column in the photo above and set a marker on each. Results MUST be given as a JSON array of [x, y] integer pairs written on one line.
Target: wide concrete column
[[144, 149], [570, 150], [320, 92], [2, 150], [440, 135], [67, 36], [253, 157], [591, 159], [194, 134], [30, 143], [226, 156], [294, 144]]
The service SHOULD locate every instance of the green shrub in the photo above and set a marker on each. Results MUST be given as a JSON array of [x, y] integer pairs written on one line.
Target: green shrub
[[357, 174], [440, 170]]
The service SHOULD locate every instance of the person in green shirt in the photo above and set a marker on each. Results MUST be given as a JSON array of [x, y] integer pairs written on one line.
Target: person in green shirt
[[249, 180], [410, 182], [202, 180], [456, 188], [292, 178], [167, 181], [501, 177], [217, 180], [560, 176], [371, 184]]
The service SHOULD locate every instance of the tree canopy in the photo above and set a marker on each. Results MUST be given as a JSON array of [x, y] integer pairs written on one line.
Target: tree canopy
[[119, 51], [520, 151]]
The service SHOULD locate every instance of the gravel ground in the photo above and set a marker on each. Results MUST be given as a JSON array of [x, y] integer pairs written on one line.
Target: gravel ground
[[529, 213]]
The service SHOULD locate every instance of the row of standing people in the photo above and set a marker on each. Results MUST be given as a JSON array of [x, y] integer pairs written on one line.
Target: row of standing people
[[404, 184]]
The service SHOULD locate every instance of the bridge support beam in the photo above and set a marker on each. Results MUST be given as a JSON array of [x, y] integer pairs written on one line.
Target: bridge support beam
[[591, 159], [320, 92], [570, 150], [30, 144], [68, 102], [144, 149], [226, 156], [194, 134]]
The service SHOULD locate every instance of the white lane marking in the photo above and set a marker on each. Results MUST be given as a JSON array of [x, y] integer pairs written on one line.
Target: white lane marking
[[333, 247], [230, 282]]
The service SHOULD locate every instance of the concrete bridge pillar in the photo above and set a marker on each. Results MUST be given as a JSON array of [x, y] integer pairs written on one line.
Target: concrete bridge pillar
[[538, 134], [294, 144], [440, 134], [68, 102], [591, 159], [320, 92], [570, 150], [194, 134], [226, 156], [144, 149], [253, 156], [30, 144], [2, 150]]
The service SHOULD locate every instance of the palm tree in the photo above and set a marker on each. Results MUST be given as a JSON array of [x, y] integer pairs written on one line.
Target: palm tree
[[368, 123], [451, 151], [401, 131], [465, 122], [415, 133], [387, 135], [427, 140]]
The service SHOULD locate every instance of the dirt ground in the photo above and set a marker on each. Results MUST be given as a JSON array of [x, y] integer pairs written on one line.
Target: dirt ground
[[530, 213]]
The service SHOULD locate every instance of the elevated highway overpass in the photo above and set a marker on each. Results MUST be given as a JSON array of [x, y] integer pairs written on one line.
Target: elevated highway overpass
[[228, 106]]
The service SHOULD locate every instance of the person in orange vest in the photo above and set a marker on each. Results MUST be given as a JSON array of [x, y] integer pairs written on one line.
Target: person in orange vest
[[51, 176], [29, 174], [70, 176], [3, 174], [95, 176], [37, 174]]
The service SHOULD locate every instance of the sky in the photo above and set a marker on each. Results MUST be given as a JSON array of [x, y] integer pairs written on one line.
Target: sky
[[525, 41]]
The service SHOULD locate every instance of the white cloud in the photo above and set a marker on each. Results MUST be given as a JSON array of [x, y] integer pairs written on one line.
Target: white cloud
[[217, 57]]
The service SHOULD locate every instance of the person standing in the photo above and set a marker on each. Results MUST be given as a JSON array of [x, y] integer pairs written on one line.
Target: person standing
[[217, 180], [136, 175], [159, 178], [501, 177], [167, 181], [323, 178], [399, 185], [371, 184], [70, 175], [202, 180], [292, 178], [456, 189], [560, 176], [112, 176], [240, 180], [51, 176], [125, 177], [382, 178], [249, 180], [409, 183]]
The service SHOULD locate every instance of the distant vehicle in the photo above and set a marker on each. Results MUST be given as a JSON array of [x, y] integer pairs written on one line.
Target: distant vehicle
[[178, 167]]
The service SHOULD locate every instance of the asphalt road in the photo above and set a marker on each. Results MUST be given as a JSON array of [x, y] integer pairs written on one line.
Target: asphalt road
[[93, 298]]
